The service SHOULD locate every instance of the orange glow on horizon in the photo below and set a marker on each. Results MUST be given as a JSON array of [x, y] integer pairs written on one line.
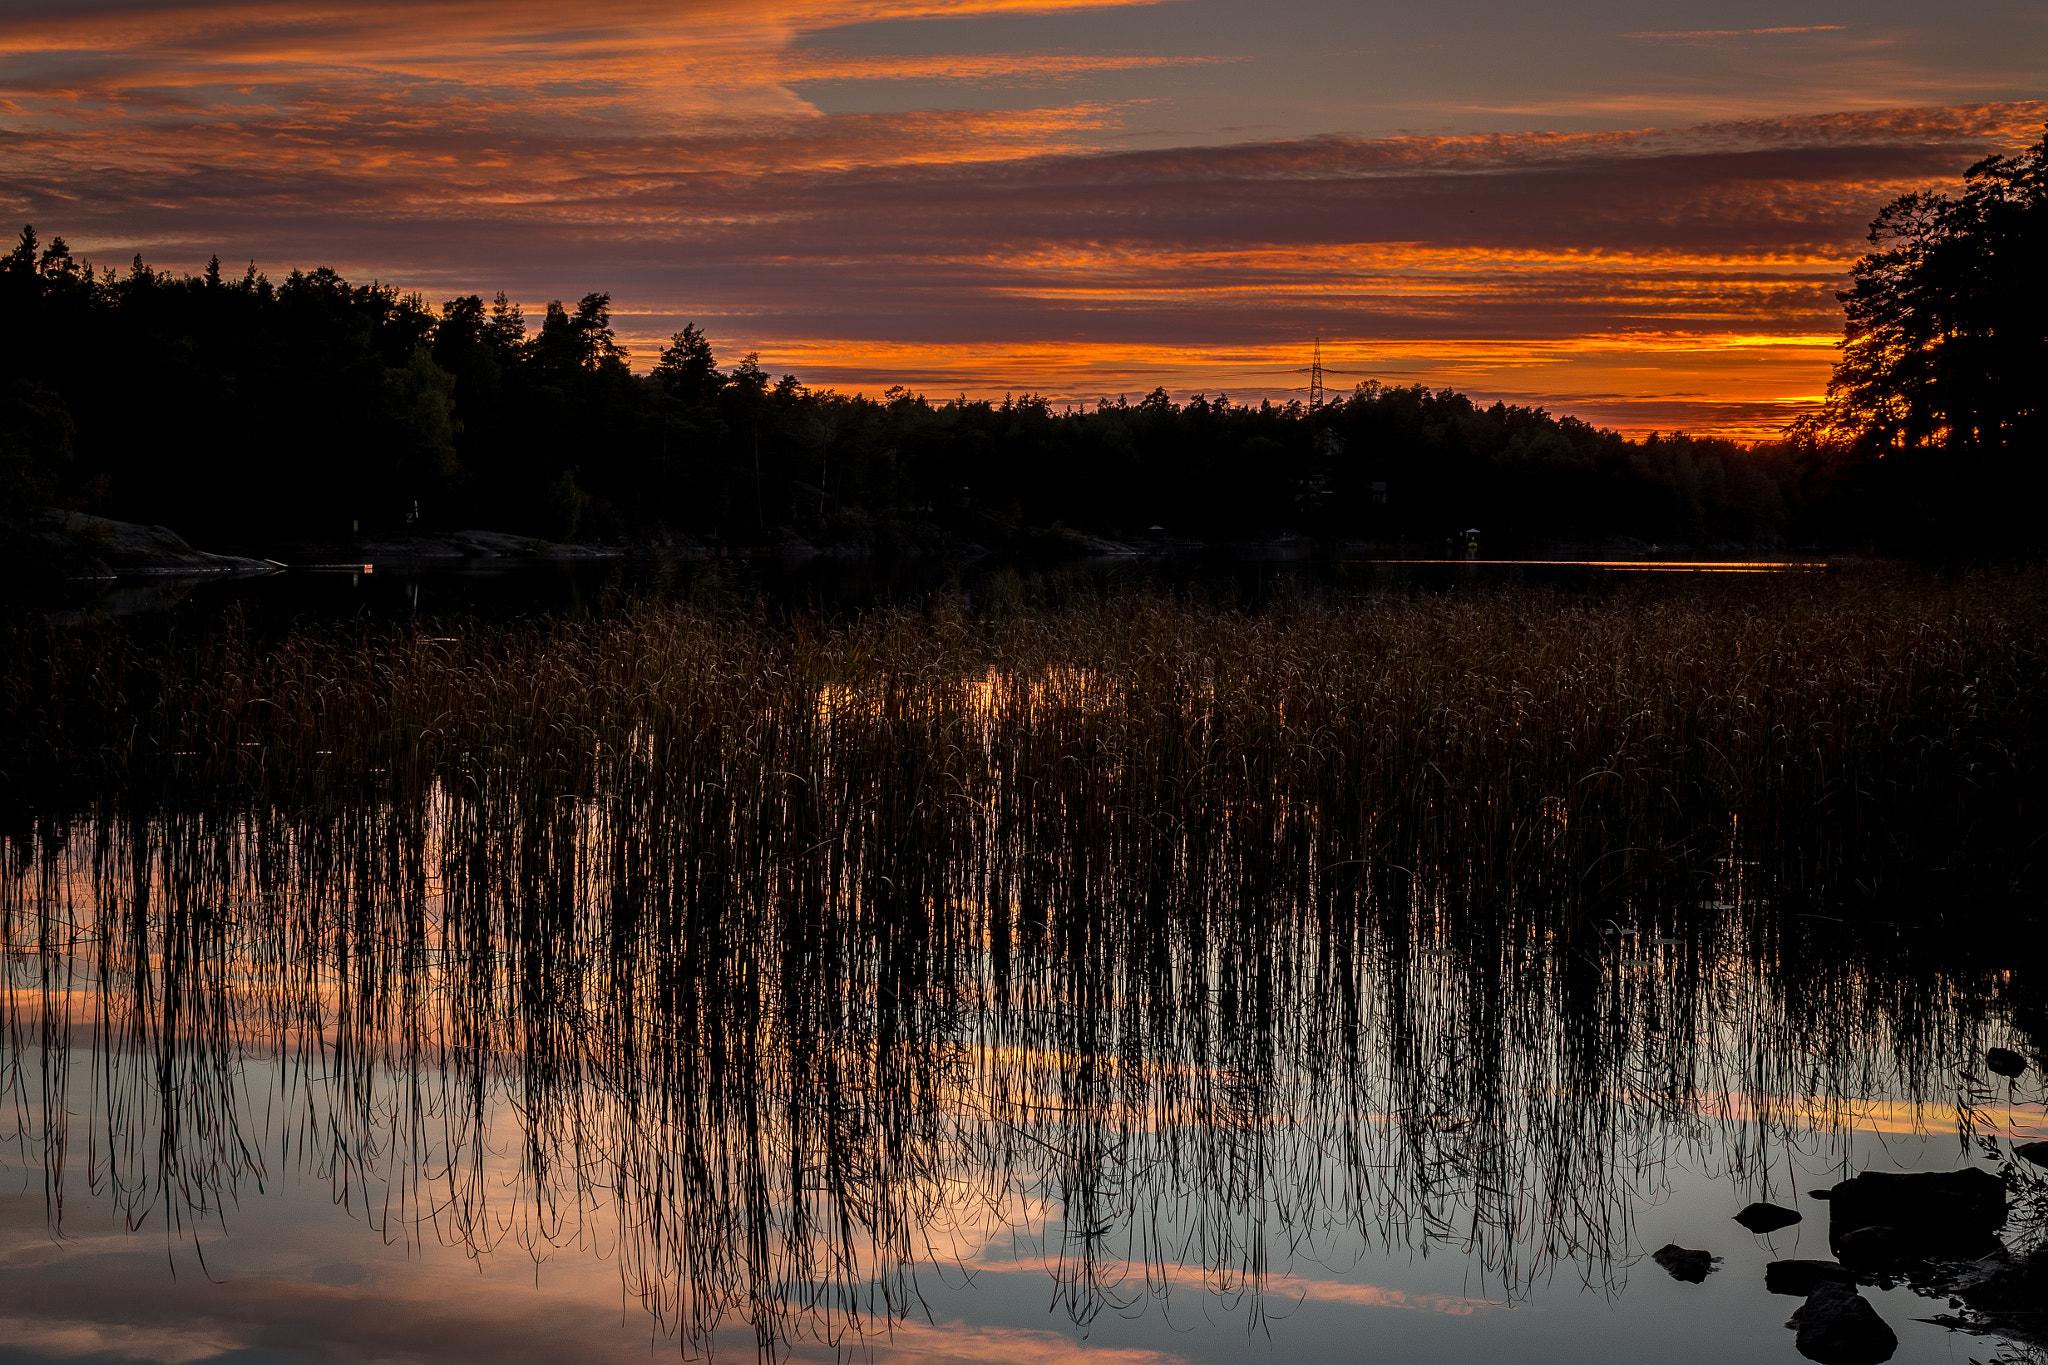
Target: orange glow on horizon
[[1001, 217], [1745, 387]]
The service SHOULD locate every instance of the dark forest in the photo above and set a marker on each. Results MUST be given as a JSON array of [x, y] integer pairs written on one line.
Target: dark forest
[[311, 405]]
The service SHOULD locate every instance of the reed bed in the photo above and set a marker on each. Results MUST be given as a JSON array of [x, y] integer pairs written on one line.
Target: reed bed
[[1844, 729], [780, 1099], [788, 959]]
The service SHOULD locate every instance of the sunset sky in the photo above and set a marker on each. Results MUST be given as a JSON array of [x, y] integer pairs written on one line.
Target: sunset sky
[[1635, 213]]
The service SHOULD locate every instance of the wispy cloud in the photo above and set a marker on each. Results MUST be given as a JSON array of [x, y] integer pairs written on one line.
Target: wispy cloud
[[269, 1293], [1712, 35], [1647, 278], [670, 151], [1180, 1278], [995, 69], [617, 63]]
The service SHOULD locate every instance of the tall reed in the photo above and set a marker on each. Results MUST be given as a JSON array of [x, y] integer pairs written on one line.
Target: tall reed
[[1848, 730]]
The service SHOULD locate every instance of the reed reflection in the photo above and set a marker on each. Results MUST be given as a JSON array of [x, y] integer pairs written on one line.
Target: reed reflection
[[776, 1088]]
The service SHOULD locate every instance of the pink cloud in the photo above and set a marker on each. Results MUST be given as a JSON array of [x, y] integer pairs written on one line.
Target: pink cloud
[[1714, 34]]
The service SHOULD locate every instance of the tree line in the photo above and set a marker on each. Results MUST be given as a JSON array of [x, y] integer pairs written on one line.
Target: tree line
[[245, 411], [241, 408]]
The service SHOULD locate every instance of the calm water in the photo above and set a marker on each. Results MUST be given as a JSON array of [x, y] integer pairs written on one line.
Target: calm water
[[986, 1016], [1248, 574], [470, 1082]]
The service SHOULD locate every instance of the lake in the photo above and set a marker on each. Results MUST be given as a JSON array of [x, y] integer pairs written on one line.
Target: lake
[[497, 588], [1125, 981]]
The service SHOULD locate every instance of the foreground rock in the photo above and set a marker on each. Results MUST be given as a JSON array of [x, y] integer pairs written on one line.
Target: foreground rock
[[1875, 1249], [1684, 1264], [2003, 1284], [2001, 1293], [2005, 1062], [1837, 1326], [55, 544], [1931, 1213], [1767, 1217], [427, 549], [2036, 1152], [1801, 1278], [1065, 542]]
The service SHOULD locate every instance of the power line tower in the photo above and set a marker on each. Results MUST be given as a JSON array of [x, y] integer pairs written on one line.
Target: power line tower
[[1315, 377]]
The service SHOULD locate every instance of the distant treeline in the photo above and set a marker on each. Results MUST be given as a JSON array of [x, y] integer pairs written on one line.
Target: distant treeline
[[243, 410]]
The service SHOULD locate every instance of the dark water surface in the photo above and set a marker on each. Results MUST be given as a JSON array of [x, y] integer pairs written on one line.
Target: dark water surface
[[571, 588]]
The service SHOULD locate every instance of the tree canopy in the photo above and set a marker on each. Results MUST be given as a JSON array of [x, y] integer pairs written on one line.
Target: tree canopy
[[1945, 346]]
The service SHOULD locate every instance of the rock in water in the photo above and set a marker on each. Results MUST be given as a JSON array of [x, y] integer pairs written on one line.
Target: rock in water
[[2036, 1152], [2005, 1061], [1798, 1278], [1877, 1248], [1691, 1266], [1837, 1326], [2006, 1284], [1934, 1213], [1767, 1217]]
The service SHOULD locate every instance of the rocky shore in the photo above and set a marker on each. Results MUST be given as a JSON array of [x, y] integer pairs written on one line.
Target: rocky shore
[[1937, 1233], [58, 545]]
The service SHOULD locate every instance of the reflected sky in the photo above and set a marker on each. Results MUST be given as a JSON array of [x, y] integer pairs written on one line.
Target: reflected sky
[[1636, 216], [481, 1082], [291, 1276]]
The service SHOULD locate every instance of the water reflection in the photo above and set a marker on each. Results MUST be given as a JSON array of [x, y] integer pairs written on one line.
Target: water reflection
[[577, 588], [777, 1077]]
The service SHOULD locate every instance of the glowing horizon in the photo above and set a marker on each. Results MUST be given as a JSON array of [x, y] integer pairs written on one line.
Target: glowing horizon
[[1642, 227]]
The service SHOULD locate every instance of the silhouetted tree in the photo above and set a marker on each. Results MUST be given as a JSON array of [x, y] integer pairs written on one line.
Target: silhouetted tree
[[687, 370], [1946, 341], [35, 445]]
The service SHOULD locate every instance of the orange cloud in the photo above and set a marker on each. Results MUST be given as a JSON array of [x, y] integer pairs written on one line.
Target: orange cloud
[[620, 62], [996, 68], [1275, 1285], [1891, 1117], [1746, 387], [667, 153], [959, 1343], [1712, 34]]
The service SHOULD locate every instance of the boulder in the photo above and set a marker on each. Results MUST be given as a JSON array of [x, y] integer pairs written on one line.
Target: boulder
[[2005, 1061], [2008, 1284], [1877, 1248], [128, 547], [1691, 1266], [1798, 1278], [1837, 1326], [1931, 1213], [2036, 1152], [1767, 1217]]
